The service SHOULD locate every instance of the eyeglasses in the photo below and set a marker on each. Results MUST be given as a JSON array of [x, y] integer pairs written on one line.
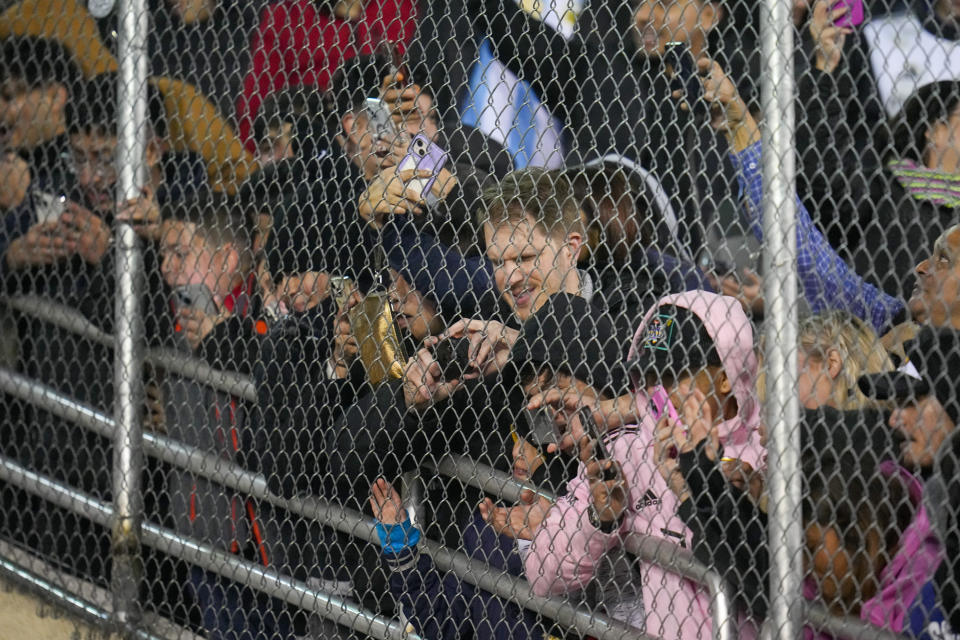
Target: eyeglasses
[[101, 165]]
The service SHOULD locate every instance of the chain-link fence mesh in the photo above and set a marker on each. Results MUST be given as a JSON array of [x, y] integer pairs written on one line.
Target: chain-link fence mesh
[[457, 320]]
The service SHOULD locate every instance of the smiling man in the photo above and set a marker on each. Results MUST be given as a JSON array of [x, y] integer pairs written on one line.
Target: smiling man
[[534, 231]]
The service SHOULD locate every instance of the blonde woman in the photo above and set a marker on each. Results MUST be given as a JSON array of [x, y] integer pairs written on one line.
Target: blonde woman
[[834, 348]]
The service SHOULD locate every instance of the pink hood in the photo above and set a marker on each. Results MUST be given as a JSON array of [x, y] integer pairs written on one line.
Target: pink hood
[[732, 334]]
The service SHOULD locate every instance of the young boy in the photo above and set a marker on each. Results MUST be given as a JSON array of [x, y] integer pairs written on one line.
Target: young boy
[[208, 261]]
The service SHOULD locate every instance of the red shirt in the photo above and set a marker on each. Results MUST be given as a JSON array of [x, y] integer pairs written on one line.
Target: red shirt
[[298, 44]]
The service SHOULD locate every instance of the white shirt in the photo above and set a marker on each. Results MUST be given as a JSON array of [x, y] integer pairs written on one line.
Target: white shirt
[[904, 57]]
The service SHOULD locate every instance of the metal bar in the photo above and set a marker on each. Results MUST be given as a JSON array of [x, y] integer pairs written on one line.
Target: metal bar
[[354, 524], [341, 518], [168, 359], [73, 604], [779, 261], [132, 133], [680, 561], [846, 627], [222, 563], [496, 582], [485, 478]]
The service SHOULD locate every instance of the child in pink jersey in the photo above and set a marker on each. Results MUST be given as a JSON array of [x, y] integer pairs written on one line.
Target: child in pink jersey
[[709, 335]]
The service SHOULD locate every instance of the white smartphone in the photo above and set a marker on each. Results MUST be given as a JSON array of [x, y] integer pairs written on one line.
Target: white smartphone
[[48, 207], [379, 120]]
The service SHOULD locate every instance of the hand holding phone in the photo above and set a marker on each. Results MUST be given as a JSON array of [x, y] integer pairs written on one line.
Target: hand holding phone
[[194, 296], [49, 207], [660, 404], [854, 15], [685, 78], [453, 356], [380, 123], [424, 155], [601, 453]]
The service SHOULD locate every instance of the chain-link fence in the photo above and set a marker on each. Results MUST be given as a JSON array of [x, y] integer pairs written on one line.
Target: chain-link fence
[[482, 319]]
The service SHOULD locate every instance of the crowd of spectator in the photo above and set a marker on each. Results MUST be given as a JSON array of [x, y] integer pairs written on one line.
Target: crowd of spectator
[[314, 216]]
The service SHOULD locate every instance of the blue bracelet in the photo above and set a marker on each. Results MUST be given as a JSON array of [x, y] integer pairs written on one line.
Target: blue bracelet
[[394, 538]]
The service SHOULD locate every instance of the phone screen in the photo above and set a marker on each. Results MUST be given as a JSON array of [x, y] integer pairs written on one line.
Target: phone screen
[[379, 120], [48, 207]]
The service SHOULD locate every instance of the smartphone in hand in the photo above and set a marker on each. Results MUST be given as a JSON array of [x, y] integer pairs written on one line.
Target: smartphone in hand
[[660, 404], [424, 155], [195, 296], [379, 120], [853, 17], [48, 207], [678, 57], [453, 356], [585, 414]]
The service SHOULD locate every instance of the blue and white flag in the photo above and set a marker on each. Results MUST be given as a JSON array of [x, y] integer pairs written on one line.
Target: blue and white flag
[[507, 109]]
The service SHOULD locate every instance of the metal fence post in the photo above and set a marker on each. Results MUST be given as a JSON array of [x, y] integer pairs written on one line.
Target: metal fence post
[[779, 263], [132, 130]]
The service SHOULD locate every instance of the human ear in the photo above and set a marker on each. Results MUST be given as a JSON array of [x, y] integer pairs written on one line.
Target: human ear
[[722, 383], [834, 363], [575, 243]]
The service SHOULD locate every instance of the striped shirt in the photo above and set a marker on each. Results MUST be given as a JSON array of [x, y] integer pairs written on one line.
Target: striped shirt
[[827, 281]]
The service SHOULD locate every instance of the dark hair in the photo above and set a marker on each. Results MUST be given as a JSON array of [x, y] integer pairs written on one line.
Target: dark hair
[[616, 204], [865, 508], [219, 219], [39, 61], [929, 104], [300, 106], [546, 196], [358, 78], [93, 107]]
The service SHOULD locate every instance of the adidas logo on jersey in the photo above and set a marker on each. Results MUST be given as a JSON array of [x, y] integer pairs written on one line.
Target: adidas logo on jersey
[[649, 499]]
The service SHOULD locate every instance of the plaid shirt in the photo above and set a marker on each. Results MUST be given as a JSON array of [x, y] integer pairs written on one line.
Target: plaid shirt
[[827, 281]]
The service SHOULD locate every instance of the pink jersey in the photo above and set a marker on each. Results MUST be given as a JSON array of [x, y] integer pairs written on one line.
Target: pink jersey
[[567, 548]]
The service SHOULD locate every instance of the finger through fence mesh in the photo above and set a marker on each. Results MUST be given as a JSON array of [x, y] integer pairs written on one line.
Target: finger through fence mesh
[[455, 316]]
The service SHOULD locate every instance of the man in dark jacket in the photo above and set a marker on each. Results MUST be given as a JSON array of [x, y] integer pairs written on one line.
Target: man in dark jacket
[[60, 248]]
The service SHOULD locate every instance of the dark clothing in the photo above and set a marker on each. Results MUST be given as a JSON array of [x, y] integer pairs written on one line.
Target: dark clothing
[[468, 146], [220, 425], [296, 409], [315, 222], [730, 531], [612, 99], [443, 606], [213, 54], [864, 211]]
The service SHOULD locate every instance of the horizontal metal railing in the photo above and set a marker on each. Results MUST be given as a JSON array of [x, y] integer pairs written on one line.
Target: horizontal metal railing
[[72, 603], [167, 359], [343, 519], [466, 470], [222, 563]]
